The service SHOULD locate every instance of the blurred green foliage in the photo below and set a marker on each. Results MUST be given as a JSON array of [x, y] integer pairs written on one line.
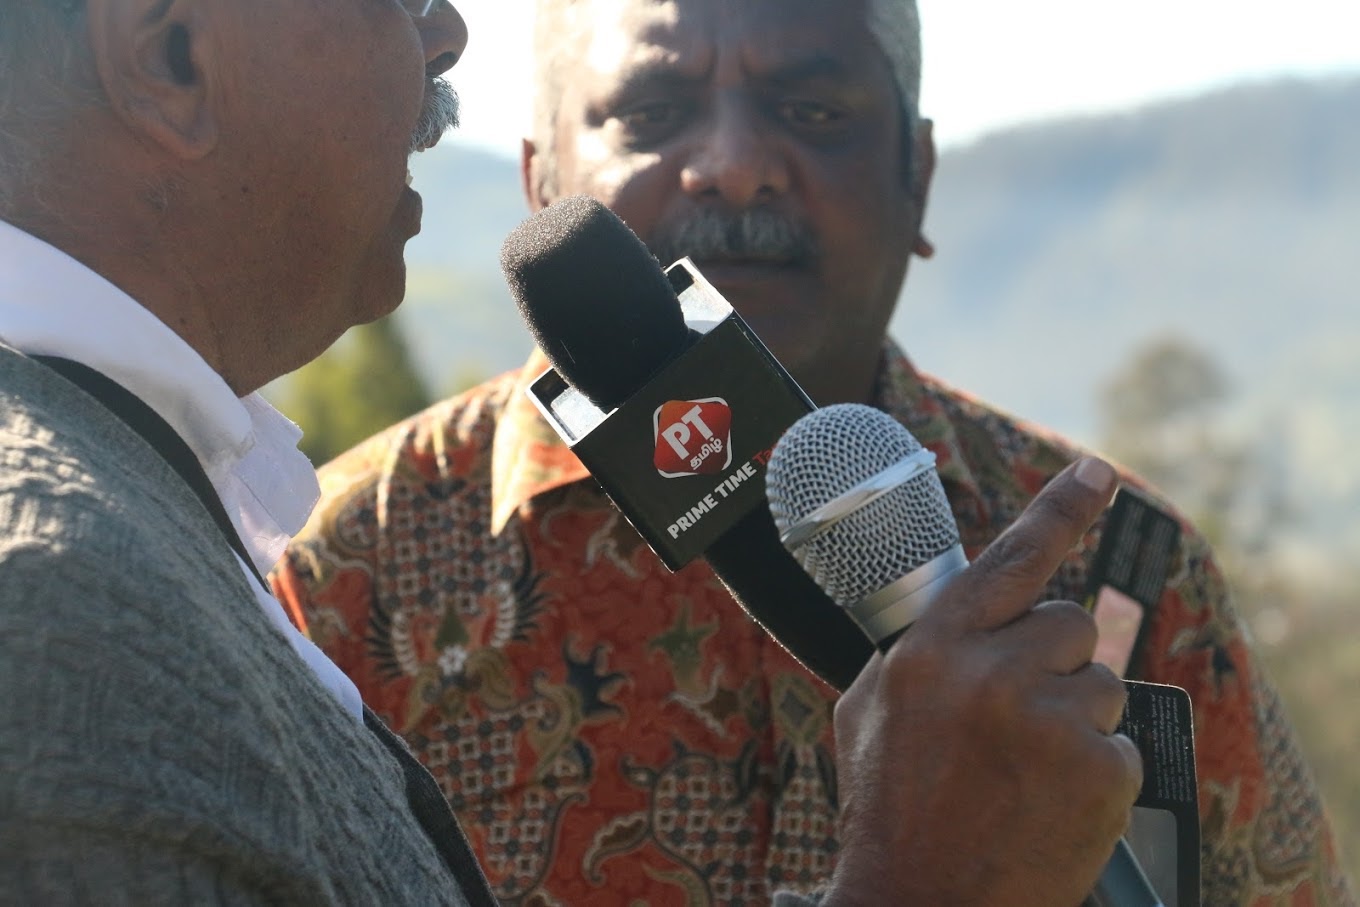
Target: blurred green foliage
[[1165, 414], [1310, 644], [361, 385]]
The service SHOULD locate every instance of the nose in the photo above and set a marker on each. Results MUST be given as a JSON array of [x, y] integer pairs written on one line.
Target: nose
[[444, 35], [738, 159]]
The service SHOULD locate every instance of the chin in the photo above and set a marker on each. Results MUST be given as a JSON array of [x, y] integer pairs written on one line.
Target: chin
[[381, 294], [386, 306]]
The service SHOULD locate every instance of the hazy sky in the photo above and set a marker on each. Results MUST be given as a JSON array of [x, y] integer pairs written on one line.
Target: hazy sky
[[989, 63]]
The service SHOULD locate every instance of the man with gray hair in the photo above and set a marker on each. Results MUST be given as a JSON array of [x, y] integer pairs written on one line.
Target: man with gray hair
[[165, 250], [641, 740]]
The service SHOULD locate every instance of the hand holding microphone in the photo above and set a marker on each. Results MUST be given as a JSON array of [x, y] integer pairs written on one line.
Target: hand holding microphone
[[977, 758]]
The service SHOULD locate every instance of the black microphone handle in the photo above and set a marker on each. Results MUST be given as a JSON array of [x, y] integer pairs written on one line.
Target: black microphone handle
[[775, 591]]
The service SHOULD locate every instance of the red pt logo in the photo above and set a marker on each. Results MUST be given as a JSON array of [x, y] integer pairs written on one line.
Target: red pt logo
[[693, 437]]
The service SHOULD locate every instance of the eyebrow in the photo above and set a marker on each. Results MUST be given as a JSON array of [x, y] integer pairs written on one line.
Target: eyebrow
[[651, 77], [811, 69]]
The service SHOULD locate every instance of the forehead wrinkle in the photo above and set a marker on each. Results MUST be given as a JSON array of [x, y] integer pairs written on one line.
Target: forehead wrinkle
[[812, 67], [664, 42], [638, 37], [651, 52]]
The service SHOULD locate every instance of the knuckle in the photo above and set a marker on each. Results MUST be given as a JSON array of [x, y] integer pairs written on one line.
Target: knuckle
[[1084, 632], [1070, 620], [1107, 782], [1058, 503], [964, 676], [1014, 556], [994, 692], [1105, 695], [917, 658], [1108, 685], [1123, 767]]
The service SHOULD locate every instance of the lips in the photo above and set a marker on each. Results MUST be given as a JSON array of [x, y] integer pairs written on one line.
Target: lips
[[438, 115], [419, 146]]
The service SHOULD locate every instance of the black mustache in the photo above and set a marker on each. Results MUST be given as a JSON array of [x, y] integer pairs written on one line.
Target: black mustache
[[756, 234]]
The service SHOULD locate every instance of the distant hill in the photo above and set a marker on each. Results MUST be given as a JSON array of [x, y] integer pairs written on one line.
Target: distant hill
[[458, 316], [1230, 219]]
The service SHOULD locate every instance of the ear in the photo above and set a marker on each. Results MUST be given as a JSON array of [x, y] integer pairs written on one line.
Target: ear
[[923, 173], [532, 176], [156, 65]]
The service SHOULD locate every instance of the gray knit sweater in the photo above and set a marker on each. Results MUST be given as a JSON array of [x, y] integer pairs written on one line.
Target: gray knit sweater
[[160, 742]]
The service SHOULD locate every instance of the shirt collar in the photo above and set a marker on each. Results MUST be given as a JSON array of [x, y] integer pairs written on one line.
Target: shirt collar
[[933, 412], [52, 305], [529, 459], [527, 456]]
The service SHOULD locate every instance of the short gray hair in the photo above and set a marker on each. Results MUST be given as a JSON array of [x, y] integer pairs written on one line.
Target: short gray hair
[[895, 24]]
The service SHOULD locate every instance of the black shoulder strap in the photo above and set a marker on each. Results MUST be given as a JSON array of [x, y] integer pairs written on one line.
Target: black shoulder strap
[[426, 800], [146, 422]]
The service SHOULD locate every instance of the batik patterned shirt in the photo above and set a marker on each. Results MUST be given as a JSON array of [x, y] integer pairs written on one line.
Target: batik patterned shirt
[[609, 732]]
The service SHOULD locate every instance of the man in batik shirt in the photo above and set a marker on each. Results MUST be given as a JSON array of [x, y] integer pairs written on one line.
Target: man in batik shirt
[[612, 733]]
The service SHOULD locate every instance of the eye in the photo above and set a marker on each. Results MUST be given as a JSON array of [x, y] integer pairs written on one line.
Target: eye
[[650, 122], [810, 114], [650, 115]]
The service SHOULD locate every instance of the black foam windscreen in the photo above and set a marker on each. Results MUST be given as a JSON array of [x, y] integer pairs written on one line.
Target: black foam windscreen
[[574, 257]]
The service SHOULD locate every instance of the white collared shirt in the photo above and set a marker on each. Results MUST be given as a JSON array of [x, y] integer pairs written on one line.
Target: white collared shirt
[[52, 305]]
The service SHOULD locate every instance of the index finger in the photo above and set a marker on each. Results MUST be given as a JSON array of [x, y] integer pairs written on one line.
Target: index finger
[[1004, 581]]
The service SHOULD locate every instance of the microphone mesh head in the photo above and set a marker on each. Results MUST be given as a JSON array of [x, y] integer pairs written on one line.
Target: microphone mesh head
[[830, 451]]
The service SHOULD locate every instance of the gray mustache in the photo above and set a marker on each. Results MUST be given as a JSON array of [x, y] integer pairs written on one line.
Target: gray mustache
[[439, 115], [757, 234]]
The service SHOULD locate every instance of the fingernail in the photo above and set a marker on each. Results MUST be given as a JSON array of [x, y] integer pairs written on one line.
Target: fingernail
[[1095, 474]]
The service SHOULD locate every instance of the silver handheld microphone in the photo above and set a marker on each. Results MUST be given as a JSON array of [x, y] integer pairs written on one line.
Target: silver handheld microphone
[[858, 504]]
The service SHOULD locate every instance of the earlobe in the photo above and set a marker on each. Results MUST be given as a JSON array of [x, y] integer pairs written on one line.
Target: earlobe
[[922, 176], [154, 61], [531, 176], [924, 157]]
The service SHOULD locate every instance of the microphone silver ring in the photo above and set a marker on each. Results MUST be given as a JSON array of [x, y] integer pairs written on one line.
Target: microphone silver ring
[[892, 609], [863, 494]]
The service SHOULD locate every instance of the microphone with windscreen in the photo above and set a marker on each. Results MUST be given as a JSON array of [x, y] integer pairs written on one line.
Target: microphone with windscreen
[[673, 404], [858, 503]]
